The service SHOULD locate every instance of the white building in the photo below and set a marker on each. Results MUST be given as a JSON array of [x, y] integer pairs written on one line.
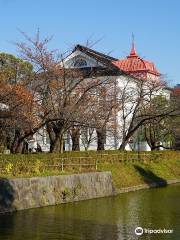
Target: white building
[[126, 73]]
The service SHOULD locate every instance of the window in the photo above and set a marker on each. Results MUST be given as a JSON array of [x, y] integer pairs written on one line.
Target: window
[[80, 63]]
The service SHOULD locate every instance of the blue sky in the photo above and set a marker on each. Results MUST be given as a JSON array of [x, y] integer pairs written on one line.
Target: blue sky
[[155, 24]]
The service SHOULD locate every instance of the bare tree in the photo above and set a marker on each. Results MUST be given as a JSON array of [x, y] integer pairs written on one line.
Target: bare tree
[[62, 93], [88, 136], [135, 97]]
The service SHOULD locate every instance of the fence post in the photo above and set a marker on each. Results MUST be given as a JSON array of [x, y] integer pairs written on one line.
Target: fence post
[[80, 164], [62, 164], [96, 164], [144, 154]]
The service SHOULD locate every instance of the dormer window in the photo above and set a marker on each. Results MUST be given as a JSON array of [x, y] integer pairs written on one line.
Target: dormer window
[[80, 63]]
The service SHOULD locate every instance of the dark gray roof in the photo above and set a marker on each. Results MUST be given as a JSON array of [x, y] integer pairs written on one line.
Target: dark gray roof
[[100, 57]]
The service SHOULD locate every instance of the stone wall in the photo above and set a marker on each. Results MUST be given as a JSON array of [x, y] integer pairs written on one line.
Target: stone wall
[[24, 193]]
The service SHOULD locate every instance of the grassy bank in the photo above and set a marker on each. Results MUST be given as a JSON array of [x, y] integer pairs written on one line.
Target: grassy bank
[[136, 173], [128, 168]]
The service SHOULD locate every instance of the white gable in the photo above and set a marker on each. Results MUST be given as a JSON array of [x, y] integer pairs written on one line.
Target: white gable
[[79, 59], [3, 106]]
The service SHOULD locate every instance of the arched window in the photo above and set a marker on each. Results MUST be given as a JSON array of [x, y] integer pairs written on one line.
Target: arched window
[[80, 63]]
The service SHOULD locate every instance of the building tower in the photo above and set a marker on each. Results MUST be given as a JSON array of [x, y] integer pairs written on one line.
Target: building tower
[[136, 66]]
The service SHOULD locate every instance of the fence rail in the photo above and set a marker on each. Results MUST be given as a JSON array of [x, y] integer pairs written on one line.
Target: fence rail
[[80, 162], [103, 158], [124, 157]]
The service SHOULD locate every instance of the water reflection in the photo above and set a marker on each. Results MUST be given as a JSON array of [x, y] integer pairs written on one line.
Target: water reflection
[[102, 219]]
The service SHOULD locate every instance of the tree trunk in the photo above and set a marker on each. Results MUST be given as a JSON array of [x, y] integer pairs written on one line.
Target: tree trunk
[[18, 143], [57, 145], [153, 148], [101, 138], [75, 135], [123, 145], [56, 133], [126, 139], [17, 146]]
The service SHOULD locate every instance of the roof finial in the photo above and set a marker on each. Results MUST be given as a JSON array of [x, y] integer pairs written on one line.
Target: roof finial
[[133, 50]]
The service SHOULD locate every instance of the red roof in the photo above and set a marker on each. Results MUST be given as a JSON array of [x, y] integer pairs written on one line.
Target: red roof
[[176, 90], [135, 65]]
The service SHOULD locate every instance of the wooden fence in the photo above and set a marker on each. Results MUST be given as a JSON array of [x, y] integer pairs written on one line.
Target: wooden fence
[[93, 162], [79, 162], [129, 157]]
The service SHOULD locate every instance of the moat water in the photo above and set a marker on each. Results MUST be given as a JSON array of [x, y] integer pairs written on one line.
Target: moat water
[[112, 218]]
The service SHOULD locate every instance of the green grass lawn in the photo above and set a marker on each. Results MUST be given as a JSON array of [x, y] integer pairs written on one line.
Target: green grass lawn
[[128, 168], [136, 173]]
